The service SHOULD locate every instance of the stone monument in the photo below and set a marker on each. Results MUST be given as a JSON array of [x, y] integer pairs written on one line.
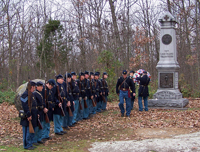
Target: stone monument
[[168, 94]]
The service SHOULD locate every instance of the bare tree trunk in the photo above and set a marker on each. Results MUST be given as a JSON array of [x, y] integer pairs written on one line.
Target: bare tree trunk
[[9, 46], [188, 40], [197, 36], [169, 6], [116, 30]]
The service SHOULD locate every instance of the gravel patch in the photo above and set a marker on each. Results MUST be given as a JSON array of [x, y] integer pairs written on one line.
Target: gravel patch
[[180, 143]]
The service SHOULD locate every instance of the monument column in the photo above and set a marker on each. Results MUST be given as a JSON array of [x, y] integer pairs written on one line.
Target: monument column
[[168, 94]]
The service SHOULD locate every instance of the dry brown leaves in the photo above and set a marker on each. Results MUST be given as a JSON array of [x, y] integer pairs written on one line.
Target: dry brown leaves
[[107, 125], [10, 129]]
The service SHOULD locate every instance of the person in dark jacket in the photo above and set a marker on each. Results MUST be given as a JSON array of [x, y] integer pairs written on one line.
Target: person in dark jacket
[[49, 107], [143, 91], [122, 89], [82, 95], [67, 121], [88, 95], [93, 92], [40, 107], [132, 97], [61, 103], [105, 90], [29, 116], [75, 92], [100, 92]]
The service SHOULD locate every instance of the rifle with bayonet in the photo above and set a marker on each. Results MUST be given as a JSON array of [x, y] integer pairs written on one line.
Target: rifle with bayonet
[[70, 111], [60, 99], [31, 130], [45, 99]]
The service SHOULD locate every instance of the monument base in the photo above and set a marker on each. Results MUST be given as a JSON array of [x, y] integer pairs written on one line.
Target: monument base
[[168, 103]]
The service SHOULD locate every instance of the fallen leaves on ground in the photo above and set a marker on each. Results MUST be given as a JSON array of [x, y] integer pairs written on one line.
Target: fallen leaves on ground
[[107, 125]]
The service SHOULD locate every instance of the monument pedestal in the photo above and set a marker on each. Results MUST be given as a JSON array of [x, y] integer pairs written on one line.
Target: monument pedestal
[[168, 95], [168, 99]]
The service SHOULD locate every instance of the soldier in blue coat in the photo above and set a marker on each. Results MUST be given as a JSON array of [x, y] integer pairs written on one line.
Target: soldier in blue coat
[[61, 103], [101, 92], [105, 90], [93, 91], [75, 93], [29, 116], [88, 95], [132, 97], [82, 94], [40, 107], [143, 91], [98, 88], [49, 107], [122, 89], [67, 121]]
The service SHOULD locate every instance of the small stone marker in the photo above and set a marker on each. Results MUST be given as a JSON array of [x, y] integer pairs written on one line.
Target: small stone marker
[[168, 94]]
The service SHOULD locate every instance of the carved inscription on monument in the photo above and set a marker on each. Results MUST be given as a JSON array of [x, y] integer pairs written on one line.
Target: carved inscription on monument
[[167, 95], [166, 80], [167, 54]]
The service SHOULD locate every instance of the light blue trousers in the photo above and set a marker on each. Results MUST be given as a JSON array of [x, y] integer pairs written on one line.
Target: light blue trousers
[[58, 120]]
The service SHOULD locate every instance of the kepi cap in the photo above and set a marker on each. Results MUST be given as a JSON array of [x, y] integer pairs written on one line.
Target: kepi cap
[[52, 82], [124, 72], [32, 83], [69, 75], [105, 73], [39, 83], [86, 72], [59, 76], [73, 73]]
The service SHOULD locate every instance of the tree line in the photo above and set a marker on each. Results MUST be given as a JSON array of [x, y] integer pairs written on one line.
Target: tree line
[[52, 37]]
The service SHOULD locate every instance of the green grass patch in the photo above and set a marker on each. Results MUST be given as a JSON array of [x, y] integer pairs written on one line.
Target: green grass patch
[[7, 96], [64, 146], [191, 109], [115, 112], [105, 113], [11, 149]]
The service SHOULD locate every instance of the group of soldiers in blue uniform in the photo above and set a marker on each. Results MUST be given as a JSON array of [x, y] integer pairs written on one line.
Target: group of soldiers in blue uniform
[[125, 88], [64, 101]]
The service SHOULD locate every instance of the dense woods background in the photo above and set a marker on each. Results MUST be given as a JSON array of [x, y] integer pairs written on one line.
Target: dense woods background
[[55, 36]]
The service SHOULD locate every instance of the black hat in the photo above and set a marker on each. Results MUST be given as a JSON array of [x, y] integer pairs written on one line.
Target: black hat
[[59, 76], [132, 71], [91, 73], [39, 83], [105, 73], [145, 72], [124, 72], [69, 75], [52, 82], [32, 83], [96, 73], [81, 74], [86, 72], [73, 73]]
